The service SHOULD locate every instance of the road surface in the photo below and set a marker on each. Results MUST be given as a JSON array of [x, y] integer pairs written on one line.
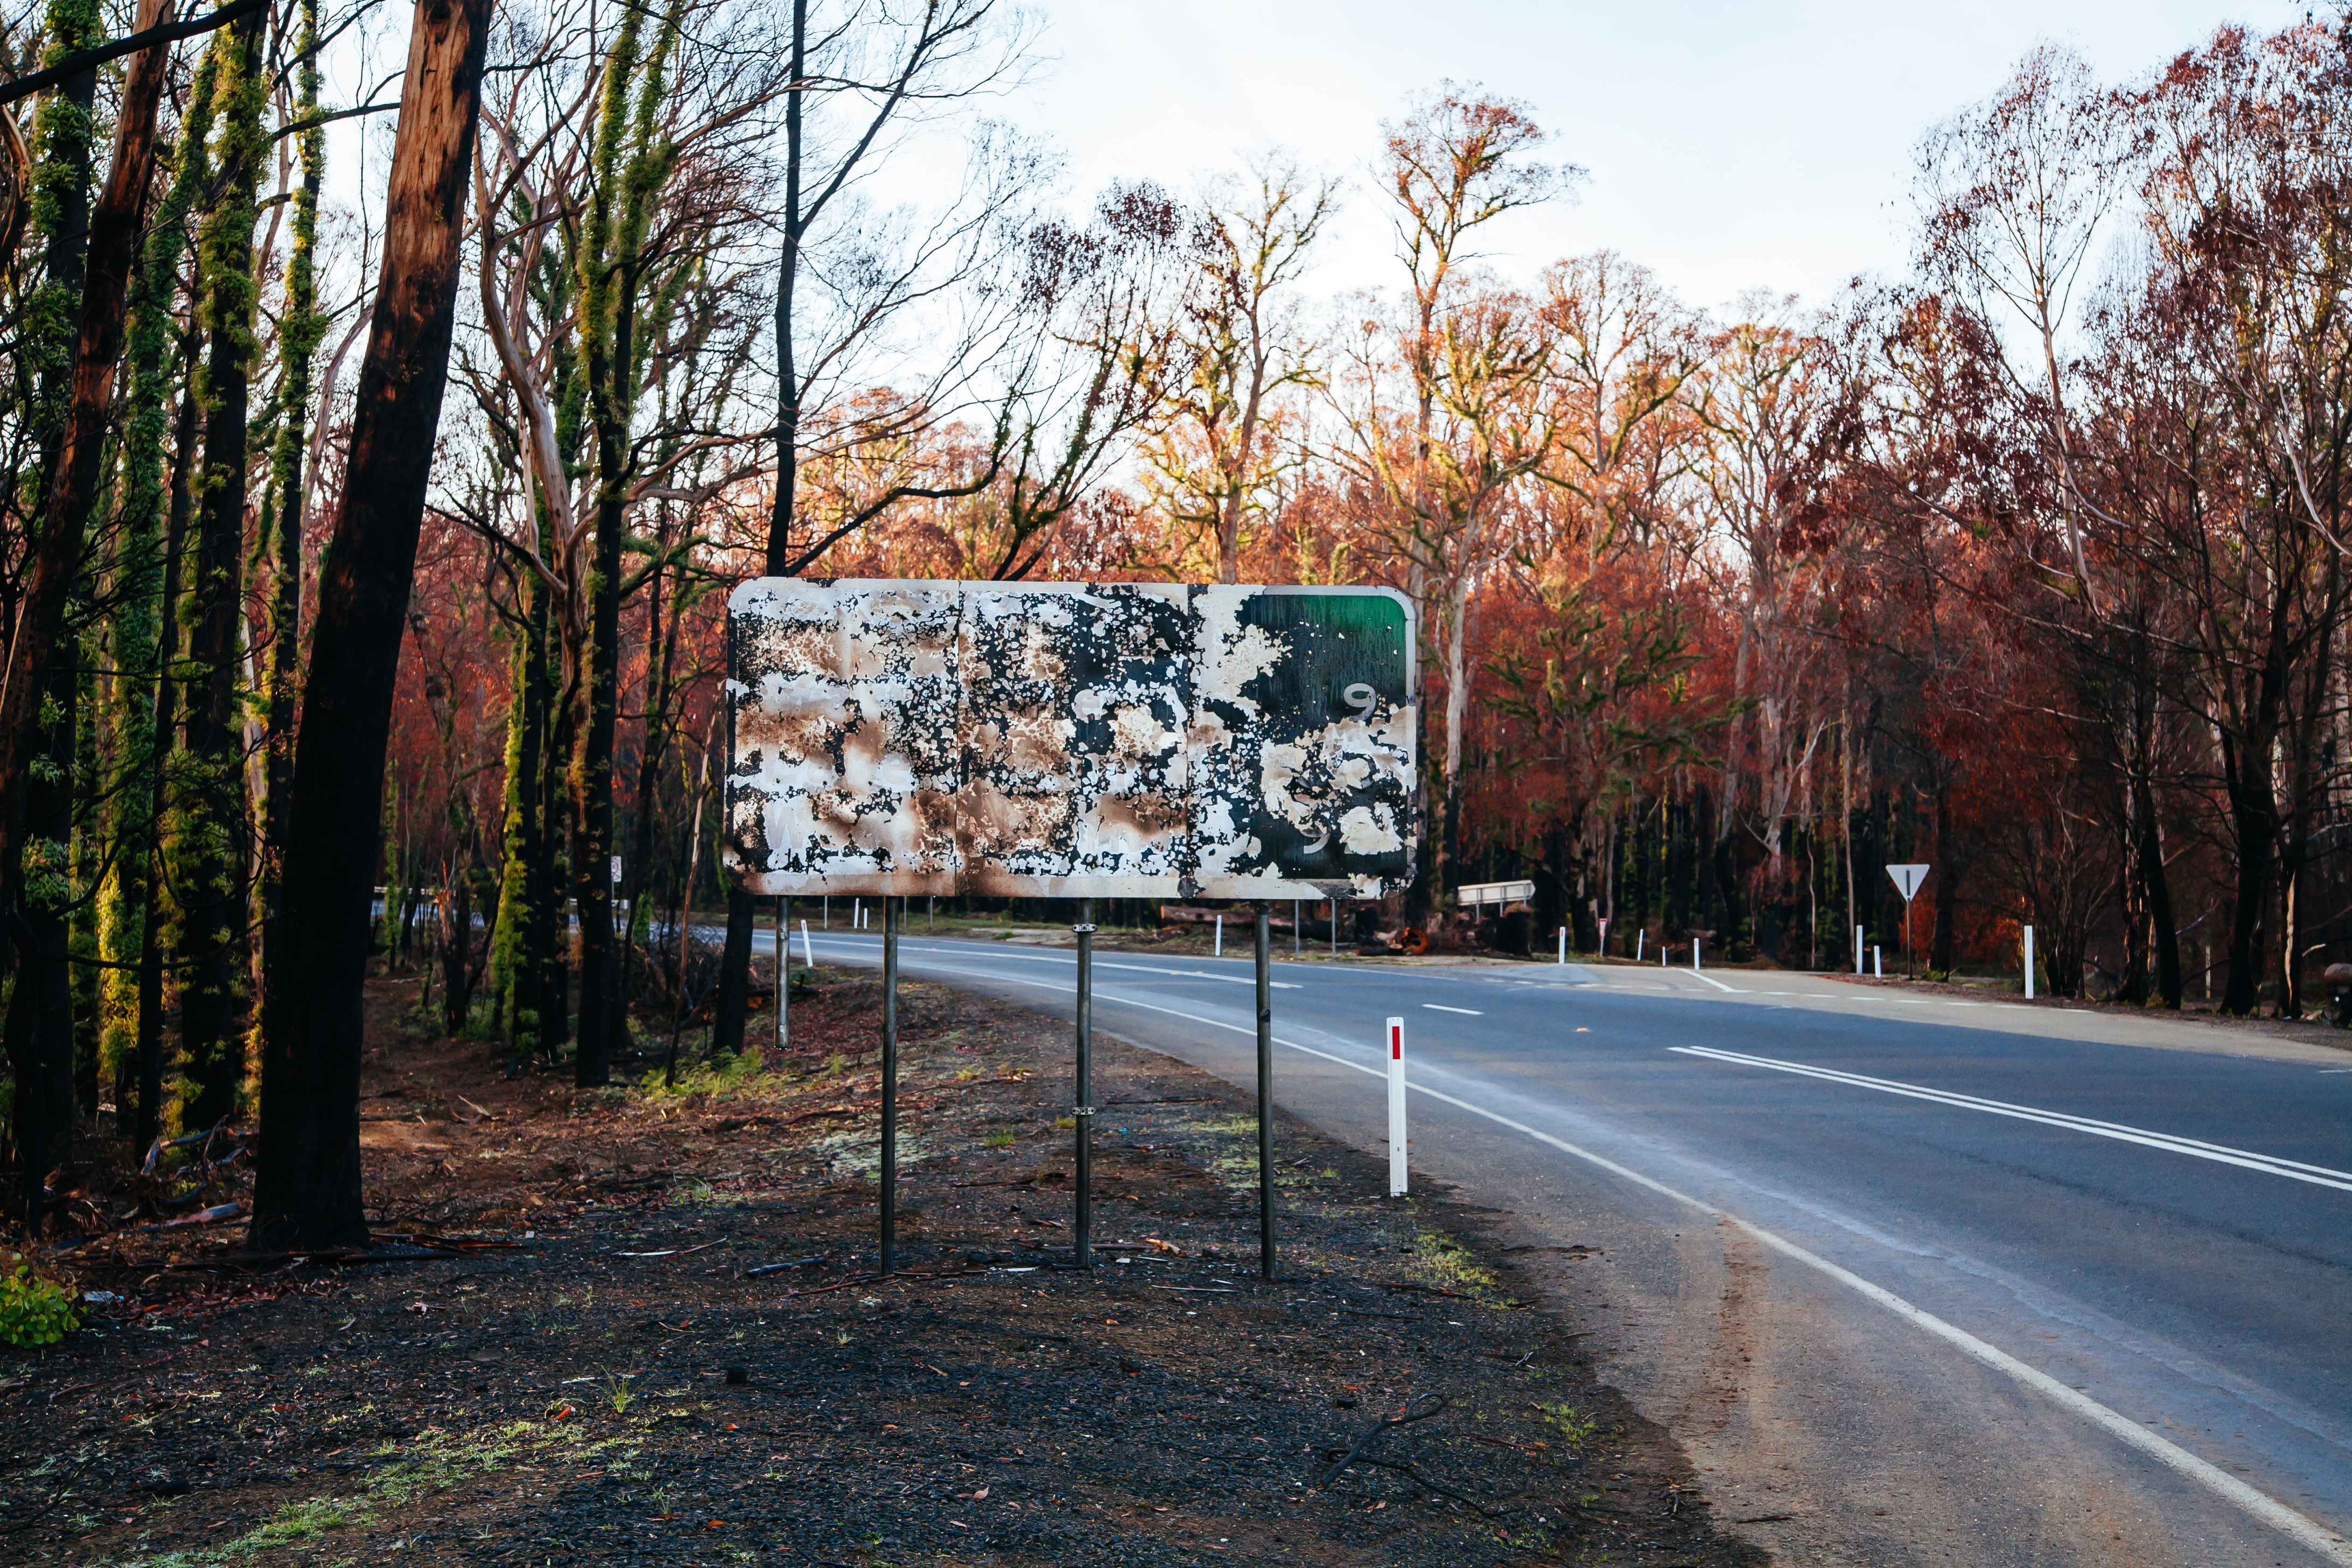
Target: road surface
[[1915, 1279]]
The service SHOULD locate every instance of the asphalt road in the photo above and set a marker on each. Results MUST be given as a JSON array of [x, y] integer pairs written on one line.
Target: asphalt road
[[1915, 1281]]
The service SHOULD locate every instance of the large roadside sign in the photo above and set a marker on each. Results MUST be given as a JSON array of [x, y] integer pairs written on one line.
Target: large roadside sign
[[1069, 740]]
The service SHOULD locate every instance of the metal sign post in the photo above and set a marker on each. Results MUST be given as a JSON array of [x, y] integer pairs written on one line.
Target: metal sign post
[[783, 968], [1909, 879], [1264, 1098], [1082, 1113], [890, 910]]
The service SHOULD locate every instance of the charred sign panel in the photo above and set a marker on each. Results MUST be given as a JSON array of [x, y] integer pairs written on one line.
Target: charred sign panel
[[1067, 741]]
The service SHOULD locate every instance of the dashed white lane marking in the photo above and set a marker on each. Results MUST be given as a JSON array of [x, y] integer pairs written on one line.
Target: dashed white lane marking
[[2307, 1531], [1441, 1007], [2221, 1154]]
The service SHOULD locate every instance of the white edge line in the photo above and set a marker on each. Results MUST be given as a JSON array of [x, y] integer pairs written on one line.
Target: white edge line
[[2304, 1531], [1711, 980], [2122, 1132]]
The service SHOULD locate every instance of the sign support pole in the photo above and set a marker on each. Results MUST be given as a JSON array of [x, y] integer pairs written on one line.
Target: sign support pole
[[890, 1085], [783, 968], [1084, 1111], [1266, 1096]]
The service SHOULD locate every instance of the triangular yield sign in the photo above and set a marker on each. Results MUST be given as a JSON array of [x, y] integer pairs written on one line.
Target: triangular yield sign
[[1907, 879]]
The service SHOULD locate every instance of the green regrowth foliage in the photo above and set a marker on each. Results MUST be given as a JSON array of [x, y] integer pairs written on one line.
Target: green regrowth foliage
[[139, 578], [63, 135]]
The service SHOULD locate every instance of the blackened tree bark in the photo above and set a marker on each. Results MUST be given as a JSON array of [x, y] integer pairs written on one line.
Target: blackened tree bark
[[297, 342], [2248, 774], [56, 556], [307, 1185], [209, 839], [40, 1031], [2156, 890], [1950, 866], [148, 1119]]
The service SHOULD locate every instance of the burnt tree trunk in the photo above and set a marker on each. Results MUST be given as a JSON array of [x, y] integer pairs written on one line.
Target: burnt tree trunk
[[54, 560], [149, 1120], [1947, 884], [307, 1186]]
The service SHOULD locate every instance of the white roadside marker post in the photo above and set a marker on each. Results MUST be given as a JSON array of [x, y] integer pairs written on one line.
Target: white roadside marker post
[[1694, 955], [1605, 938], [1396, 1109], [808, 948], [1220, 951], [1563, 945], [1641, 938], [1858, 950], [1878, 962], [2029, 964]]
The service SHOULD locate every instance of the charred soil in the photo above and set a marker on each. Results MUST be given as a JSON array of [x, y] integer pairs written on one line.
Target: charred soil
[[642, 1324]]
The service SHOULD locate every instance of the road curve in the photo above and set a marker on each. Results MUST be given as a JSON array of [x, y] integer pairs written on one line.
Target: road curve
[[1915, 1280]]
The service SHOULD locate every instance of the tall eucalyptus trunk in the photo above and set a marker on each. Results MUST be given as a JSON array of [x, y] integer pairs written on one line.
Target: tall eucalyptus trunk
[[39, 1036], [517, 961], [146, 632], [298, 331], [307, 1188], [210, 854], [631, 164]]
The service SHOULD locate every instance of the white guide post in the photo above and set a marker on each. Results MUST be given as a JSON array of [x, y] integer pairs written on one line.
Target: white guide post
[[808, 948], [1605, 938], [1878, 962], [1563, 944], [2029, 964], [1858, 950], [1219, 950], [1641, 940], [1396, 1109], [1694, 955]]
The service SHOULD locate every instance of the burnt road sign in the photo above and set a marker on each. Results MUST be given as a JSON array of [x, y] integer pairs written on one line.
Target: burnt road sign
[[1069, 740]]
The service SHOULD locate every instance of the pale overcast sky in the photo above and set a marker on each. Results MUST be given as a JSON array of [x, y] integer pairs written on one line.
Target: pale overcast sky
[[1729, 146]]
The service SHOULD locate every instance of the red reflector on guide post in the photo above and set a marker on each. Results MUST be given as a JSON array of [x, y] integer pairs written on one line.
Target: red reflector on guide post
[[1396, 1044]]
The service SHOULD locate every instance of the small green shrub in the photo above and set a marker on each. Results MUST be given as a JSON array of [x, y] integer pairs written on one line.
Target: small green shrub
[[33, 1310]]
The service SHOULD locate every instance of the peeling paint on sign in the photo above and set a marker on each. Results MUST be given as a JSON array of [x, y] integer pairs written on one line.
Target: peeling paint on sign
[[1067, 741]]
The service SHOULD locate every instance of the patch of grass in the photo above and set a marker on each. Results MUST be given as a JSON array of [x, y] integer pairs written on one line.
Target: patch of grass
[[1444, 1261], [720, 1078], [1574, 1427], [1002, 1138], [617, 1393], [301, 1521]]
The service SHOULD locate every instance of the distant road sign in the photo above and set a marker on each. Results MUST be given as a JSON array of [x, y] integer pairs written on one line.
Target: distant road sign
[[1477, 893], [1907, 879], [1070, 741]]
